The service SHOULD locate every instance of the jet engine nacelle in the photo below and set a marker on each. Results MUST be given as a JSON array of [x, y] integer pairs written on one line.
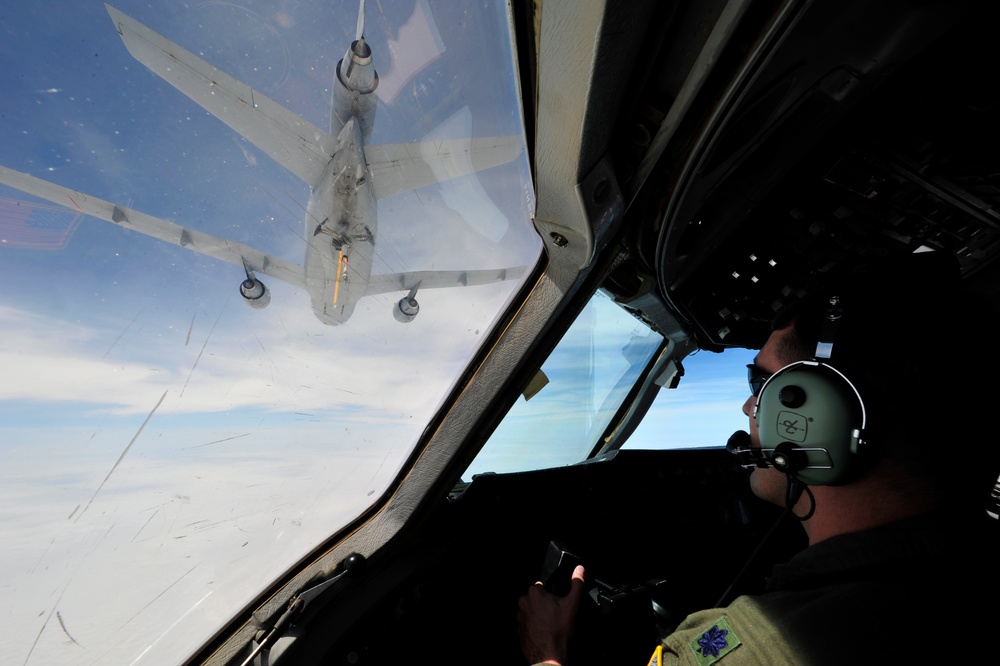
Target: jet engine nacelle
[[254, 293], [406, 310]]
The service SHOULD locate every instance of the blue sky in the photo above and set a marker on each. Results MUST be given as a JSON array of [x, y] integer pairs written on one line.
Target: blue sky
[[704, 410], [156, 432], [587, 375]]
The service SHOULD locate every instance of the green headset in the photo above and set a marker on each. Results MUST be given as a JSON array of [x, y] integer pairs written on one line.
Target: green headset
[[810, 417]]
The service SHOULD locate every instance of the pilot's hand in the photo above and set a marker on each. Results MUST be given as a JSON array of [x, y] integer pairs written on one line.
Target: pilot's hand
[[545, 621]]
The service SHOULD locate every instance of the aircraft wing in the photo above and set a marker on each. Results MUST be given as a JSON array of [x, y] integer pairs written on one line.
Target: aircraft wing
[[191, 239], [290, 140], [381, 284], [399, 167]]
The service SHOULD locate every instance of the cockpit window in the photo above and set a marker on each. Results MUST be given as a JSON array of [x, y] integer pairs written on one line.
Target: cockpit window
[[704, 409], [563, 412], [580, 389], [233, 294]]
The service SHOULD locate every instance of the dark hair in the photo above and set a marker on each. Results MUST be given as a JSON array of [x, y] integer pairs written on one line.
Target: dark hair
[[907, 339]]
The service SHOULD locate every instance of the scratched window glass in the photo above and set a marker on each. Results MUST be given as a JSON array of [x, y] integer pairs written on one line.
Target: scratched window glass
[[246, 249]]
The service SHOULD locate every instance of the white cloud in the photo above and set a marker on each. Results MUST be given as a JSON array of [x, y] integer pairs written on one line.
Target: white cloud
[[281, 359]]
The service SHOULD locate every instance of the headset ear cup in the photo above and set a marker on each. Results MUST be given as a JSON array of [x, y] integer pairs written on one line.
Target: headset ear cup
[[812, 409]]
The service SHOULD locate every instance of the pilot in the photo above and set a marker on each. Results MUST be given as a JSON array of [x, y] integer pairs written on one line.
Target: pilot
[[901, 561]]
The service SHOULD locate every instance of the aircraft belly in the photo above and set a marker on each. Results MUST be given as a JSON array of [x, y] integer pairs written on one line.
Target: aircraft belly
[[340, 235]]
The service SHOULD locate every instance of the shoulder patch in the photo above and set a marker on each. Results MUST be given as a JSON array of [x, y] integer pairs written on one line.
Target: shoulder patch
[[715, 643], [657, 658]]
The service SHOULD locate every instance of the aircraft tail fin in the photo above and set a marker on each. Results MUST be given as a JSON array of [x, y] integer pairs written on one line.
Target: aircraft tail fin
[[361, 22], [292, 141]]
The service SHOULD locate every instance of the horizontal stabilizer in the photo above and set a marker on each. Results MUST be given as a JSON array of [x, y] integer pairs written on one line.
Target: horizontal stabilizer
[[381, 284], [290, 140], [190, 239], [399, 167]]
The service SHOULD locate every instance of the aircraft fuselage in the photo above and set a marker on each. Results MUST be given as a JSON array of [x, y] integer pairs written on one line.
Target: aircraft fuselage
[[342, 215], [340, 230]]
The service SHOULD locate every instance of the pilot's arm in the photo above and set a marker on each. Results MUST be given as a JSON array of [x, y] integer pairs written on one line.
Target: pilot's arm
[[741, 633]]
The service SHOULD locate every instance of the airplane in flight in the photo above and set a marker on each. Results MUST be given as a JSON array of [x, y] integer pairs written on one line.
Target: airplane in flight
[[693, 180], [346, 175]]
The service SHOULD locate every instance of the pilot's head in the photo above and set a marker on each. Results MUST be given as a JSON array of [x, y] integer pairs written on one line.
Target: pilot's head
[[912, 344]]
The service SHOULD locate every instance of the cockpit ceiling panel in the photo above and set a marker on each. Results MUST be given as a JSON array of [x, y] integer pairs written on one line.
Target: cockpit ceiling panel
[[782, 202]]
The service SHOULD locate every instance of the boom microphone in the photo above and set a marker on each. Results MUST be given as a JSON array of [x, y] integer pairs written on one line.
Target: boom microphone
[[748, 456], [786, 457]]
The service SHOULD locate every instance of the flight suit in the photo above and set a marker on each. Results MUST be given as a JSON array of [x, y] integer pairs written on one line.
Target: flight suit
[[901, 593], [921, 590]]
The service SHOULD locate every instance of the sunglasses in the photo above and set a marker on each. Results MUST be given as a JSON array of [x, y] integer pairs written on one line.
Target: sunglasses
[[756, 376]]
